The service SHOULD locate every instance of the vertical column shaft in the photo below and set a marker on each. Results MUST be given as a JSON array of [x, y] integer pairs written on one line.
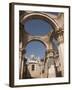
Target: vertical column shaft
[[51, 67], [59, 35]]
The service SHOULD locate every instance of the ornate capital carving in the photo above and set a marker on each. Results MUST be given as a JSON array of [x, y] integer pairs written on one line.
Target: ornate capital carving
[[50, 53], [58, 35]]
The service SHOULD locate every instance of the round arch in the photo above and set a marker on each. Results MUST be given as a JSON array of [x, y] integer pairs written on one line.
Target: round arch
[[38, 43], [44, 43], [37, 40], [41, 16]]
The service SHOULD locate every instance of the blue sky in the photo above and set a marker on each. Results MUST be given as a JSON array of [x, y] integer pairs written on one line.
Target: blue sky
[[35, 48], [36, 27]]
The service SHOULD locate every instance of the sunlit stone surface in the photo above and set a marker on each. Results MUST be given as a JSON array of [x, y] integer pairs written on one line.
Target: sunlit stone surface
[[52, 64]]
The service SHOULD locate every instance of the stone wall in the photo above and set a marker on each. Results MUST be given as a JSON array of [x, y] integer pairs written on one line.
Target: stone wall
[[57, 22]]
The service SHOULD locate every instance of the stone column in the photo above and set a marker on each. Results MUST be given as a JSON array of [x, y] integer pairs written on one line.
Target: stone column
[[59, 35], [22, 64], [20, 59], [46, 65], [57, 64], [51, 66]]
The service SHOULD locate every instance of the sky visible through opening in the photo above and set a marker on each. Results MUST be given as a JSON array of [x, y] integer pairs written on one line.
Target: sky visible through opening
[[37, 27], [35, 48]]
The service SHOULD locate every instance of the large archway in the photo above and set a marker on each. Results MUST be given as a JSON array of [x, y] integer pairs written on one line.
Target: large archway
[[36, 48], [39, 21], [42, 16]]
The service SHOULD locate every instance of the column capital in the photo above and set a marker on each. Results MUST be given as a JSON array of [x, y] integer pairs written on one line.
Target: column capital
[[50, 53], [58, 35]]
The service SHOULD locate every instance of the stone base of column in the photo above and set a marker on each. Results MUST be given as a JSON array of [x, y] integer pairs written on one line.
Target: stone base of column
[[52, 72]]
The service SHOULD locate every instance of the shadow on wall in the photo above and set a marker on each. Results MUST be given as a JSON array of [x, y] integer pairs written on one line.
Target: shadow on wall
[[26, 73]]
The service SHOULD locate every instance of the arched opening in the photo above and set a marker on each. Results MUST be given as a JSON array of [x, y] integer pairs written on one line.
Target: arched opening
[[37, 30], [41, 16], [35, 49], [37, 27]]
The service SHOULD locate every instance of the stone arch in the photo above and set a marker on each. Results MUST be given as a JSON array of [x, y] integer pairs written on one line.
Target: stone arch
[[26, 38], [41, 16], [44, 43], [30, 40]]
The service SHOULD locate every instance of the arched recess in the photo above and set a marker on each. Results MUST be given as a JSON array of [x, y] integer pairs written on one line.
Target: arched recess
[[42, 46], [40, 16], [46, 46], [25, 39], [37, 15], [37, 40]]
